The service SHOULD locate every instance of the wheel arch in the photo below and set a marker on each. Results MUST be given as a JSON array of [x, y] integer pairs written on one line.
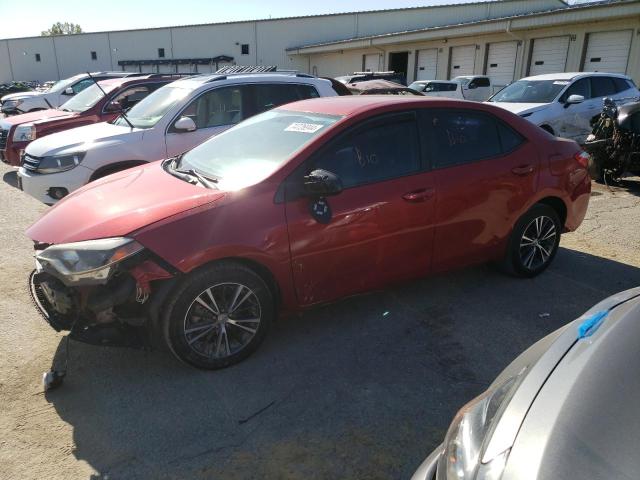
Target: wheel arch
[[558, 205], [115, 167]]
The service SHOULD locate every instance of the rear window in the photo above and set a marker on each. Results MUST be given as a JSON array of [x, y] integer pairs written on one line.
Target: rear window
[[602, 87]]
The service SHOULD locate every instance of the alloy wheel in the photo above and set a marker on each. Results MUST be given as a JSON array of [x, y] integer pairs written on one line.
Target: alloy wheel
[[538, 242], [222, 320]]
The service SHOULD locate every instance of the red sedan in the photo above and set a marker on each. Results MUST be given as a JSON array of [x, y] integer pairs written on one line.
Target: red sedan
[[302, 205]]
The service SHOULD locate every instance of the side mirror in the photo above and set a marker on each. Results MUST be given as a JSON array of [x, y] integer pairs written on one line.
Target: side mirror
[[114, 106], [185, 124], [321, 183], [573, 99], [69, 91], [472, 86]]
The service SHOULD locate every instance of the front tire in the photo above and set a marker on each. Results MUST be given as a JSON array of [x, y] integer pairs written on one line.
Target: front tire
[[534, 242], [218, 316]]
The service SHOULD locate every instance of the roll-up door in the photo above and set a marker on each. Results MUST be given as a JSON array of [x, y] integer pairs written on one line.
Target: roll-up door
[[501, 62], [463, 60], [427, 64], [549, 55], [608, 51], [371, 62]]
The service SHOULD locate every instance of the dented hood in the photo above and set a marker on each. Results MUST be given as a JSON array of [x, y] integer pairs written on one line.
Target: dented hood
[[118, 205]]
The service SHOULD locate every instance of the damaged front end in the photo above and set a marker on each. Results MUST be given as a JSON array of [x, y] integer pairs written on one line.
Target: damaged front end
[[101, 291]]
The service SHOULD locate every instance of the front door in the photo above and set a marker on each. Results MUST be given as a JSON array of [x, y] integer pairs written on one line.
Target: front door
[[378, 229], [486, 174], [213, 112], [574, 120]]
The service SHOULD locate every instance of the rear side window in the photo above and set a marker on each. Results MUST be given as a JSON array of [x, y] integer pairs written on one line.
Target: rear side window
[[382, 150], [509, 138], [458, 137], [602, 87], [621, 84], [268, 96]]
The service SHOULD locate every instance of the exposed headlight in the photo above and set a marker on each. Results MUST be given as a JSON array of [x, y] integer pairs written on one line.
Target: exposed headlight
[[12, 103], [90, 262], [25, 133], [470, 430], [60, 163]]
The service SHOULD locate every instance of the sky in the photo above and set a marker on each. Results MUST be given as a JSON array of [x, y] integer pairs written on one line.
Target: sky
[[23, 18]]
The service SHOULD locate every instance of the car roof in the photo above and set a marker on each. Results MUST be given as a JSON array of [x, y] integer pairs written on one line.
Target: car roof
[[356, 104], [574, 76], [198, 81], [118, 81]]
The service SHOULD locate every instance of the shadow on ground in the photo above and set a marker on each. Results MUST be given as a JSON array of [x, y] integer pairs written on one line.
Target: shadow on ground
[[11, 178], [364, 388]]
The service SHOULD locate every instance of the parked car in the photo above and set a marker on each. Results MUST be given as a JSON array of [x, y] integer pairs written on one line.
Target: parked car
[[59, 93], [564, 103], [365, 76], [438, 88], [299, 206], [564, 409], [88, 107], [380, 87], [170, 121], [475, 87]]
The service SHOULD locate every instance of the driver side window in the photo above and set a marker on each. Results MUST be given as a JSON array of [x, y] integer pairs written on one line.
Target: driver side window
[[217, 107], [382, 151], [581, 87]]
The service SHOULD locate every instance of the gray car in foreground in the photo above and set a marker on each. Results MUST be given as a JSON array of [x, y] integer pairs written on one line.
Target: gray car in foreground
[[567, 408]]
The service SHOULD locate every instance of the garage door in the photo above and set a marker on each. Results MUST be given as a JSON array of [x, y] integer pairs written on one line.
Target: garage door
[[608, 51], [427, 64], [549, 55], [463, 60], [371, 62], [501, 62]]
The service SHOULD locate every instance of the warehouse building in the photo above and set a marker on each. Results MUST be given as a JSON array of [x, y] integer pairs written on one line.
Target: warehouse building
[[505, 39]]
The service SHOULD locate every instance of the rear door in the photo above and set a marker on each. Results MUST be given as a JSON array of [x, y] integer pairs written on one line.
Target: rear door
[[485, 175], [379, 228]]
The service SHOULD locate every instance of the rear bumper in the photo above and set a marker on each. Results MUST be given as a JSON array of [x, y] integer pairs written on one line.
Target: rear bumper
[[579, 202], [427, 470]]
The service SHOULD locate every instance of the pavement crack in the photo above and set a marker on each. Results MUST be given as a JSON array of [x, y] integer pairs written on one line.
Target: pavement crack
[[253, 415]]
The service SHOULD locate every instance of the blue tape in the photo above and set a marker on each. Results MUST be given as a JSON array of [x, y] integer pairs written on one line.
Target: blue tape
[[591, 324]]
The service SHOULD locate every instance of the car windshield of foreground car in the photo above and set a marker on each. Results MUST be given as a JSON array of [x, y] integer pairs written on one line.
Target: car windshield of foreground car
[[84, 100], [152, 108], [255, 148], [530, 91]]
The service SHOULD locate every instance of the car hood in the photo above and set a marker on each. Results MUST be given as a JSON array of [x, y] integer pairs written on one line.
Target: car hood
[[118, 205], [520, 108], [35, 116], [19, 95], [81, 139]]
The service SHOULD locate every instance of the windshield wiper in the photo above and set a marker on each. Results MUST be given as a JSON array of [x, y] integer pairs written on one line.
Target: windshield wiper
[[190, 174]]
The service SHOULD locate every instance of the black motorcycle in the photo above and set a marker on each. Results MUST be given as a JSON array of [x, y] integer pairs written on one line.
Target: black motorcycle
[[614, 143]]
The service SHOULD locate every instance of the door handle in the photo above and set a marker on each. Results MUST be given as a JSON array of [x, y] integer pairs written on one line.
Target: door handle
[[522, 170], [419, 195]]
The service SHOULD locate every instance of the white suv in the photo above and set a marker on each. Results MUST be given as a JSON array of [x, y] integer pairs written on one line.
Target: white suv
[[170, 121], [56, 95], [564, 103]]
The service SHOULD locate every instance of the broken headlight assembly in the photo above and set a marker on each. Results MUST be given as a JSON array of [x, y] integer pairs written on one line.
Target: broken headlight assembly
[[471, 430], [91, 262]]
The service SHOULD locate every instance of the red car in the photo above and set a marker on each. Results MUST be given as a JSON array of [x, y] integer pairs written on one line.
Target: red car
[[298, 206], [87, 107]]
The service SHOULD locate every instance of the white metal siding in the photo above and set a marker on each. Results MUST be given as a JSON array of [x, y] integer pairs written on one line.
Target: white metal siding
[[501, 62], [608, 51], [463, 60], [371, 62], [549, 55], [427, 64]]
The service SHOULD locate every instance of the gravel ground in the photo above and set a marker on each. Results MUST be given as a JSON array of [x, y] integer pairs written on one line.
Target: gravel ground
[[364, 388]]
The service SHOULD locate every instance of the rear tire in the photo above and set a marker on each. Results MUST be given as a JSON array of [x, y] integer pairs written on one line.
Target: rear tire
[[534, 242], [218, 316]]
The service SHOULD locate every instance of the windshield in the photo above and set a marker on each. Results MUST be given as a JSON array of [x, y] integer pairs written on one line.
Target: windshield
[[62, 84], [255, 148], [530, 91], [417, 86], [152, 108], [85, 99]]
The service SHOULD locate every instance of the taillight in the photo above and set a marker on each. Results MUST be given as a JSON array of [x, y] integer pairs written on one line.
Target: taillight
[[582, 158]]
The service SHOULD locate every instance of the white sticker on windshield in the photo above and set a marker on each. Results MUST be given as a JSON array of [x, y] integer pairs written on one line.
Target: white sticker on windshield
[[561, 82], [303, 127]]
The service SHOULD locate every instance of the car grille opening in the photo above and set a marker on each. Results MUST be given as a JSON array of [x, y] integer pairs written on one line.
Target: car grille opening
[[3, 139], [31, 163]]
